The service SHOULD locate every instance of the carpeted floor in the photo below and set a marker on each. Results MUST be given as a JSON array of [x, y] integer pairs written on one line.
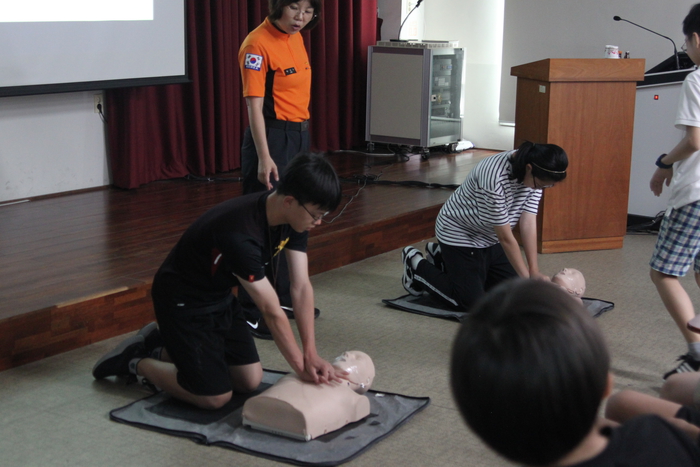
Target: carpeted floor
[[54, 413]]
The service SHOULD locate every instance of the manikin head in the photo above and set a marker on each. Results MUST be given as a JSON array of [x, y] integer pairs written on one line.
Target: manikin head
[[572, 281], [359, 367]]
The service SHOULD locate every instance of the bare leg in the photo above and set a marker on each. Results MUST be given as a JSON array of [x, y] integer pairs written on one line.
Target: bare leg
[[677, 302], [627, 404], [165, 356], [680, 388], [246, 378], [164, 375]]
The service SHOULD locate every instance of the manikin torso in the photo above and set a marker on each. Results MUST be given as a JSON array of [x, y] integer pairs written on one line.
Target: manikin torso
[[303, 410]]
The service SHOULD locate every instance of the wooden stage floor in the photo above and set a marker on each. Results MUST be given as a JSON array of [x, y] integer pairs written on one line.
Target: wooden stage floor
[[77, 268]]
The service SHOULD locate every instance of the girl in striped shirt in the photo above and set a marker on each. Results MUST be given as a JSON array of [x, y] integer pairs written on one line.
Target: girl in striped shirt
[[476, 247]]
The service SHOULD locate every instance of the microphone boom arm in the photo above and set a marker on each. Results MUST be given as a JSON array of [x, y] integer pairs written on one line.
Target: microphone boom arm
[[404, 20], [675, 50]]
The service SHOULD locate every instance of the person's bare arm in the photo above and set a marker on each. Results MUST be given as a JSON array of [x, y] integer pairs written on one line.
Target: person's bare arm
[[528, 236], [316, 368], [685, 148], [265, 297], [627, 404], [512, 249]]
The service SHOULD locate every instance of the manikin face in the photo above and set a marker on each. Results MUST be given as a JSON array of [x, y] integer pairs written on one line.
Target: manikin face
[[571, 280], [295, 17], [359, 367]]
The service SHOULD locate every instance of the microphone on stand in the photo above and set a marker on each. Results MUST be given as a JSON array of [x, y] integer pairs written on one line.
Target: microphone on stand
[[675, 50], [398, 39]]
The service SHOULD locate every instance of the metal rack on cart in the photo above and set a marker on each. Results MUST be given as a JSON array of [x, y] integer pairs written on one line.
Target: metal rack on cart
[[414, 93]]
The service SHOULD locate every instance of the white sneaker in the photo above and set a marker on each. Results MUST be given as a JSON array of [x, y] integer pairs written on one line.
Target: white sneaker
[[434, 255], [406, 255]]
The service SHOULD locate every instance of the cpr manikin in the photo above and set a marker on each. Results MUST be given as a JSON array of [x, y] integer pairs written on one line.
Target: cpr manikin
[[572, 281], [303, 410]]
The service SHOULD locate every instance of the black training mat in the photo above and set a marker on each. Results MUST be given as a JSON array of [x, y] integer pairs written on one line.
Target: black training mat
[[597, 307], [426, 305], [223, 427]]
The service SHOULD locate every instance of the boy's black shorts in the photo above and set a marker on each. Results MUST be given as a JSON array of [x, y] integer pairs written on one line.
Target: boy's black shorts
[[204, 342]]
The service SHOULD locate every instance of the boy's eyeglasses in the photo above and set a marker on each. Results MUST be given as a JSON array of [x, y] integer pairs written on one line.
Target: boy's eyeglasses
[[315, 218]]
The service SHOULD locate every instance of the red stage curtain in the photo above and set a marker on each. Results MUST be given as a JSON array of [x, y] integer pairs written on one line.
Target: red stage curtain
[[162, 132]]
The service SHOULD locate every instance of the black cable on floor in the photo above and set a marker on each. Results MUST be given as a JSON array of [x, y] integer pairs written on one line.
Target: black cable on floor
[[197, 178], [369, 180]]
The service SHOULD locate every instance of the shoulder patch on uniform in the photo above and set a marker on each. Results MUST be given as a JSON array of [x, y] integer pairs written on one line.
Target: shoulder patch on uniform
[[253, 62]]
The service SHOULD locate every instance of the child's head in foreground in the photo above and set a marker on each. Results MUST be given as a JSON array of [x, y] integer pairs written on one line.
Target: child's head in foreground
[[691, 23], [691, 31], [529, 371]]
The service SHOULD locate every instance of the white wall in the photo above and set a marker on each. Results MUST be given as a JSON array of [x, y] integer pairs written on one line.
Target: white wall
[[50, 144], [478, 26], [535, 30], [390, 12], [393, 12], [581, 29]]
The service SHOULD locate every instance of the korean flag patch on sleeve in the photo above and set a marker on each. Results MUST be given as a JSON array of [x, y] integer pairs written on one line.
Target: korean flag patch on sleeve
[[253, 62]]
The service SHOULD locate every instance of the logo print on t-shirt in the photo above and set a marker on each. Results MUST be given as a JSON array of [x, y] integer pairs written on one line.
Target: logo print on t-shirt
[[280, 246], [215, 258], [290, 71], [253, 62]]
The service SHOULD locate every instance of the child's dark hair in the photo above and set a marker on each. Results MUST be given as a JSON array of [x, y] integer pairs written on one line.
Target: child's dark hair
[[691, 23], [310, 178], [529, 371], [276, 6], [548, 162]]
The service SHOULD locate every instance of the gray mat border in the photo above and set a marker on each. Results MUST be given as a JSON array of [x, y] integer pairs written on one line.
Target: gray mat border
[[425, 305], [270, 375]]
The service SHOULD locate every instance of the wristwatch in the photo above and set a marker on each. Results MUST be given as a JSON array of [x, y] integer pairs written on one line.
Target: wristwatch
[[661, 165]]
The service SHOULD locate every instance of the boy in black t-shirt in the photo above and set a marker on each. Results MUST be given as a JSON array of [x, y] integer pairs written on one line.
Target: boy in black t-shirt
[[204, 351], [529, 372]]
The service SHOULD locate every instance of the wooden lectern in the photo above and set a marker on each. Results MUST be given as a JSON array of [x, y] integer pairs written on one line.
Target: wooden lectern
[[586, 106]]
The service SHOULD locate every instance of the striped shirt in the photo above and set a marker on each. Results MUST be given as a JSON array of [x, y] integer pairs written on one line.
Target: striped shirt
[[486, 199]]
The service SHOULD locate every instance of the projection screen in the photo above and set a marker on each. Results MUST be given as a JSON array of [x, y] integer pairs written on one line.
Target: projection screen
[[76, 45]]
